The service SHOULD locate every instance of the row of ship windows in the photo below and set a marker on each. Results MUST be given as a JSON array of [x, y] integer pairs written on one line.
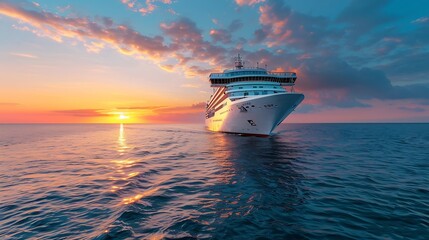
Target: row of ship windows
[[247, 73], [266, 106], [245, 79], [251, 93], [232, 87]]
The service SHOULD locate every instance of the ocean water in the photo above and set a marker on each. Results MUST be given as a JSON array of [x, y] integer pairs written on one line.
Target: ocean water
[[309, 181]]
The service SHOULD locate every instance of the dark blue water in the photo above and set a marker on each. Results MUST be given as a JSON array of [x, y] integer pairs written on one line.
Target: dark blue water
[[310, 181]]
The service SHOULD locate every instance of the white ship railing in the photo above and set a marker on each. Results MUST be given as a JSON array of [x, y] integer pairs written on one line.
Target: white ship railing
[[251, 73]]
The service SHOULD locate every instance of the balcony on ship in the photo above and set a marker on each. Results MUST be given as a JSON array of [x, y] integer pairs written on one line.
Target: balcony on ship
[[240, 90]]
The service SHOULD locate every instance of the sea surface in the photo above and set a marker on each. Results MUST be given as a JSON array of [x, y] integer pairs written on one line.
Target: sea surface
[[308, 181]]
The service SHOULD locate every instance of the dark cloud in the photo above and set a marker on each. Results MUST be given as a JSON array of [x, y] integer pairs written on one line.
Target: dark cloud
[[220, 35], [259, 35], [363, 16], [187, 39], [333, 76], [411, 64], [283, 26], [235, 25], [419, 37], [412, 109]]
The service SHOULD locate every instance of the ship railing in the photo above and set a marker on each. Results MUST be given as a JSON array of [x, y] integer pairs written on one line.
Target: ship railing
[[287, 74], [242, 73]]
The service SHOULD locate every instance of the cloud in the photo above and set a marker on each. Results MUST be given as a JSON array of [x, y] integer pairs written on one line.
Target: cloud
[[421, 20], [185, 43], [365, 23], [172, 12], [121, 37], [412, 109], [140, 107], [363, 16], [24, 55], [197, 107], [9, 104], [147, 7], [311, 45], [235, 25], [165, 114], [94, 47], [220, 35], [417, 38], [152, 114], [196, 117], [189, 85], [180, 114], [248, 2], [414, 63], [190, 48], [333, 82], [281, 26], [82, 112], [224, 36]]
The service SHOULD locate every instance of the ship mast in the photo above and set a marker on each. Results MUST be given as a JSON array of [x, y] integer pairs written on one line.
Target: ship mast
[[238, 62]]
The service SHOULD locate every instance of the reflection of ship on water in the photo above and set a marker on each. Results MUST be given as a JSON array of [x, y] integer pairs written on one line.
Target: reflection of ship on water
[[264, 185]]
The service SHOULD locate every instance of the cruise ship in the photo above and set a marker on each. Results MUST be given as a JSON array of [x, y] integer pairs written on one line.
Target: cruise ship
[[250, 101]]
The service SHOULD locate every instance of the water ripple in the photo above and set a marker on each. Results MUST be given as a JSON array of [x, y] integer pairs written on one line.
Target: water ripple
[[309, 181]]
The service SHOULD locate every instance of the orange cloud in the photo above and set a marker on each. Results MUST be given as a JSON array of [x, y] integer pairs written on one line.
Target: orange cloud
[[103, 32], [180, 114], [8, 104], [186, 46], [82, 113], [34, 116], [140, 107], [198, 107], [144, 8], [248, 2]]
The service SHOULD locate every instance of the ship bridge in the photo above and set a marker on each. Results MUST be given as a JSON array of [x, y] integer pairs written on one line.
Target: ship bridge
[[250, 75]]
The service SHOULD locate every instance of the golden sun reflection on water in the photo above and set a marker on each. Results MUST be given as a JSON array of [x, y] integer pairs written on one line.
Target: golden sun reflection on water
[[122, 141], [125, 163], [156, 236], [133, 174], [139, 196]]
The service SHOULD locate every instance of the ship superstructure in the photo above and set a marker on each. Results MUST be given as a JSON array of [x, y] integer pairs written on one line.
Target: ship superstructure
[[250, 100]]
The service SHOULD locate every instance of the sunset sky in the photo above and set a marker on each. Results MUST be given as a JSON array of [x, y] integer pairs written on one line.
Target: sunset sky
[[147, 61]]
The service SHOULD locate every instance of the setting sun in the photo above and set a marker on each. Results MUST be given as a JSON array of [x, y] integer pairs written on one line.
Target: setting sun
[[123, 117]]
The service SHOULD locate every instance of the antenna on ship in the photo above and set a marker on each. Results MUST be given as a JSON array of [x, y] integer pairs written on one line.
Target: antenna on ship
[[238, 62]]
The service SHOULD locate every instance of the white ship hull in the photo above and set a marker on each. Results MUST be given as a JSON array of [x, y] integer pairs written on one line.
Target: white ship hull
[[256, 115]]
